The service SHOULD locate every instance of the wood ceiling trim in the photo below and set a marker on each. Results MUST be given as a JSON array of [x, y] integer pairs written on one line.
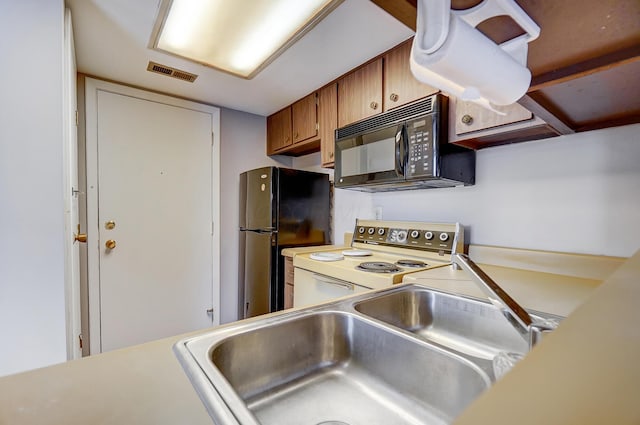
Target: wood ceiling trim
[[551, 118], [584, 68], [403, 10]]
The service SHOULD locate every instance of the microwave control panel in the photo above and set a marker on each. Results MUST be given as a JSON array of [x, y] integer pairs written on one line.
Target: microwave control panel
[[421, 147]]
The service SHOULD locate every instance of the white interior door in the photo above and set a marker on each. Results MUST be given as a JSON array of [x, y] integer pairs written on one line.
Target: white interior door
[[156, 203]]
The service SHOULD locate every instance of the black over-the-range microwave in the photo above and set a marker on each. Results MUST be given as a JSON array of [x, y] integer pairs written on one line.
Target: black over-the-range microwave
[[404, 148]]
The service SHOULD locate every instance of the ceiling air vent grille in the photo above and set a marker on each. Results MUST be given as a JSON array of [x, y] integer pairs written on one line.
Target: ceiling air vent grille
[[171, 72]]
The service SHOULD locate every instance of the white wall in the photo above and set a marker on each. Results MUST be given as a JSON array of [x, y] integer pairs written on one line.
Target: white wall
[[32, 309], [577, 193], [242, 147]]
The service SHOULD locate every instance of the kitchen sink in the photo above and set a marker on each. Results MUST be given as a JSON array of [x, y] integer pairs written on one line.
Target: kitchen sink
[[404, 355], [467, 325], [336, 368]]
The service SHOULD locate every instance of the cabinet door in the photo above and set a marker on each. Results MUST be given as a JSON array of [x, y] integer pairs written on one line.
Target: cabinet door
[[400, 86], [328, 122], [305, 118], [360, 94], [472, 117], [279, 130]]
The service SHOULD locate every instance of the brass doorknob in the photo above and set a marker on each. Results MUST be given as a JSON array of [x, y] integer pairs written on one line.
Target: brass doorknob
[[110, 244], [373, 105]]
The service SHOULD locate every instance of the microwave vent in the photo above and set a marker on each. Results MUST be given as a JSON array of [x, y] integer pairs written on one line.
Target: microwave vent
[[171, 72], [403, 113]]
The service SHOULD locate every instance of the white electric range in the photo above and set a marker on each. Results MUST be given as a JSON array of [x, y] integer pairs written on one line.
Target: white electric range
[[381, 254]]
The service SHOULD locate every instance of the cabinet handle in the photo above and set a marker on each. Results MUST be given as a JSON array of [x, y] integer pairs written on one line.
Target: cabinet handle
[[467, 119], [373, 105], [394, 97]]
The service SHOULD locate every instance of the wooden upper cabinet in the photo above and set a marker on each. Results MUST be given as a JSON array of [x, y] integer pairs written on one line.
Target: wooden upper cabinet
[[400, 86], [304, 118], [360, 93], [279, 130], [328, 122], [471, 117]]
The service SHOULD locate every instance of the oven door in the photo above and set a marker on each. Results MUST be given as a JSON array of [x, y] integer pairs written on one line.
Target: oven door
[[371, 158], [312, 288]]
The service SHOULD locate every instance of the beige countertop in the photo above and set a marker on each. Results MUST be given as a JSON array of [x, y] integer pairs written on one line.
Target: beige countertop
[[140, 385], [547, 292], [292, 252], [585, 372]]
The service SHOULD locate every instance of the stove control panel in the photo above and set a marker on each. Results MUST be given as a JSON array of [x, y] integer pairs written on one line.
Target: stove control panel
[[437, 238]]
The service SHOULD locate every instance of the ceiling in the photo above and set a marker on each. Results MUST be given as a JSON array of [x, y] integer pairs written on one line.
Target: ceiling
[[112, 39]]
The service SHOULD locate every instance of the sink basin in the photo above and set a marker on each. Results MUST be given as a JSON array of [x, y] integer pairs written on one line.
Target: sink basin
[[466, 325], [328, 367]]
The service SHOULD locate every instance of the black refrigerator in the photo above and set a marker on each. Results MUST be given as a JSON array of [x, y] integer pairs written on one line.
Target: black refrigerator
[[279, 208]]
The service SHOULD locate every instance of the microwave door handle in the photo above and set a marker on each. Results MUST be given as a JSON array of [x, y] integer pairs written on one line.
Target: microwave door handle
[[400, 151]]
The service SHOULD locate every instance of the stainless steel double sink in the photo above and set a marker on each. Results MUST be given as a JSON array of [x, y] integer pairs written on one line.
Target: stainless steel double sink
[[405, 355]]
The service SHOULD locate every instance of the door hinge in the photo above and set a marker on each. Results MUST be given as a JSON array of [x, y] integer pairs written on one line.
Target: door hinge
[[80, 340], [212, 226], [317, 126], [213, 137], [77, 118]]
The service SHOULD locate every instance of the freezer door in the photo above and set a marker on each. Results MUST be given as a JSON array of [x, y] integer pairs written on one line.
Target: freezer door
[[259, 272], [261, 198]]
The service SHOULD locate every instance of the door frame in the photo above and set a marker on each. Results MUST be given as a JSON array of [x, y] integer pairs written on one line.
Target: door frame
[[70, 171], [92, 87]]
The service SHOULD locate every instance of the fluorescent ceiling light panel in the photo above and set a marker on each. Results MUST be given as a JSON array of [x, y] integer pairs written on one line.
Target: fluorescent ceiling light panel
[[237, 36]]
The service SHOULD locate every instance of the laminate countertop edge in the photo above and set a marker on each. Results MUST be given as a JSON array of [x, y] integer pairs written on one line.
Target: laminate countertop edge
[[586, 372]]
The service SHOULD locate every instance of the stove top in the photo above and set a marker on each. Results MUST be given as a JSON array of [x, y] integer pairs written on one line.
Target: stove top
[[397, 249]]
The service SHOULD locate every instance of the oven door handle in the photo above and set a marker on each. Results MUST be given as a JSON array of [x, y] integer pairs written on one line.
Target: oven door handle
[[332, 281], [400, 151]]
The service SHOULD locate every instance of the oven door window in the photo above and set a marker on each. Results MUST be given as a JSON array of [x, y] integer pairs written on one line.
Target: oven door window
[[371, 158]]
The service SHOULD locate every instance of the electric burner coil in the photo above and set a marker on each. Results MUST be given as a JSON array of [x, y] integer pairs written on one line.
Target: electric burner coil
[[378, 267], [411, 263]]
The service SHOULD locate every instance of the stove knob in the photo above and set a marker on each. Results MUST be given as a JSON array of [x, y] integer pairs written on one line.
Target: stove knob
[[402, 236], [381, 231], [371, 230], [444, 237], [361, 230], [428, 235], [415, 234]]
